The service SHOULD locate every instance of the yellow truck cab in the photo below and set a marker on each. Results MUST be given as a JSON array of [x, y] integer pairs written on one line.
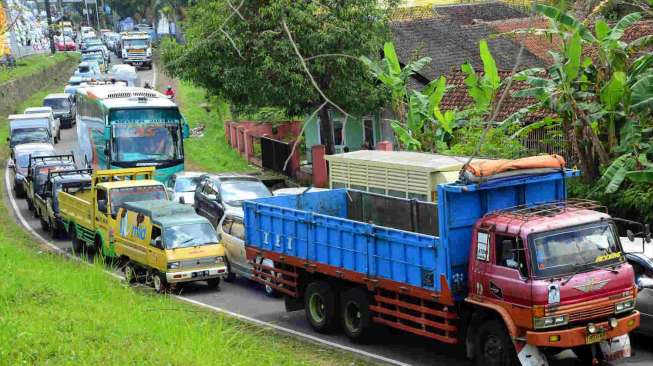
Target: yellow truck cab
[[166, 243], [89, 216]]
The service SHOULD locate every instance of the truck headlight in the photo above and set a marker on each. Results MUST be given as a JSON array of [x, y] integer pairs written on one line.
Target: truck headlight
[[623, 306], [219, 260], [173, 265], [550, 321]]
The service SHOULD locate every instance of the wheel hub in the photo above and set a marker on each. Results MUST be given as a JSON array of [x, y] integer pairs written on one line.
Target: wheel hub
[[493, 350], [317, 307]]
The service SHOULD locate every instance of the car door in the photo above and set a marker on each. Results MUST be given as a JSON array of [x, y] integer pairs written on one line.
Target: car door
[[156, 257], [238, 236], [102, 214], [233, 247]]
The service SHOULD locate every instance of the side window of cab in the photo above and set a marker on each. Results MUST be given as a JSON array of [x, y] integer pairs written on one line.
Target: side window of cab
[[156, 237], [510, 253]]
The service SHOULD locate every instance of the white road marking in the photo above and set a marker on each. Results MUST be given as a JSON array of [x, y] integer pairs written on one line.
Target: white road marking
[[248, 319]]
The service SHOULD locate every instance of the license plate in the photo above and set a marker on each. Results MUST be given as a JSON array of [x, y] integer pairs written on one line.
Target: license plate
[[594, 338], [200, 274]]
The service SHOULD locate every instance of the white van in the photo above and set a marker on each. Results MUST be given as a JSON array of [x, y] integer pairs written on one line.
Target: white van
[[55, 124], [28, 128]]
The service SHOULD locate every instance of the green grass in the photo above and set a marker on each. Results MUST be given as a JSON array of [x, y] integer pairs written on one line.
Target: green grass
[[57, 311], [32, 64], [211, 152]]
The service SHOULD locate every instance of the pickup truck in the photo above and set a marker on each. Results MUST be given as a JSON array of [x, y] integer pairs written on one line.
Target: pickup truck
[[507, 267], [37, 173], [46, 204], [167, 244], [89, 216]]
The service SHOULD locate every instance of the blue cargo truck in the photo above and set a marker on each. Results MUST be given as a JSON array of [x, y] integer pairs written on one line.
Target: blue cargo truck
[[508, 267]]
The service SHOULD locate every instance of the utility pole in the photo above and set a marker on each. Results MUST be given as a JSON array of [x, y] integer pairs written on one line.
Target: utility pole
[[88, 17], [50, 32]]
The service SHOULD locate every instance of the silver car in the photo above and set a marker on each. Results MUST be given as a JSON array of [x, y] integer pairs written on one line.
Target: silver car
[[181, 186]]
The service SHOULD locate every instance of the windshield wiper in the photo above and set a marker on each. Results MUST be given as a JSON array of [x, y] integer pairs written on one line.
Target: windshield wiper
[[575, 272], [587, 268]]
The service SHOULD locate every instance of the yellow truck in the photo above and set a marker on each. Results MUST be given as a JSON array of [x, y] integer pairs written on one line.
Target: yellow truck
[[89, 216], [165, 243]]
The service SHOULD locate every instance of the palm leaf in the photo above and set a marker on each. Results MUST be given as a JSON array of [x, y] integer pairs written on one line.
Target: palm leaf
[[641, 96], [640, 44], [640, 176], [618, 30], [391, 58], [565, 20]]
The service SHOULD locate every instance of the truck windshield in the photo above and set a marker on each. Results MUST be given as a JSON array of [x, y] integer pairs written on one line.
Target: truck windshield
[[27, 135], [146, 135], [189, 235], [135, 194], [57, 104], [136, 43], [562, 252]]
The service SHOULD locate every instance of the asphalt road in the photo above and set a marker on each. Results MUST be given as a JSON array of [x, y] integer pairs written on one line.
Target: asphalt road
[[248, 300]]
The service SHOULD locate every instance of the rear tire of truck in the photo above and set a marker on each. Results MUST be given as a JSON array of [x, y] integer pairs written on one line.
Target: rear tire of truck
[[130, 273], [77, 244], [213, 283], [44, 224], [493, 347], [30, 206], [355, 315], [321, 307]]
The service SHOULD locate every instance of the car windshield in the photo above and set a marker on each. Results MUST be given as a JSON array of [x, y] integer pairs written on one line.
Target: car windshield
[[236, 191], [57, 104], [145, 135], [565, 251], [82, 69], [27, 135], [189, 235], [136, 43], [135, 194], [186, 184], [23, 158]]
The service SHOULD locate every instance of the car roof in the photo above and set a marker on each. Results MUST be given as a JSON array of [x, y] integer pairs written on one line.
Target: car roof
[[29, 116], [166, 213], [228, 176], [35, 110], [57, 96], [189, 174], [33, 146]]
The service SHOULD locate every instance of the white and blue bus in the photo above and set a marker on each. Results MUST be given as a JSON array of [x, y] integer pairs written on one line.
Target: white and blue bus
[[124, 127]]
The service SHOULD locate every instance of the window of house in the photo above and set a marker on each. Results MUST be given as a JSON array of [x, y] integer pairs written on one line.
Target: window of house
[[338, 133]]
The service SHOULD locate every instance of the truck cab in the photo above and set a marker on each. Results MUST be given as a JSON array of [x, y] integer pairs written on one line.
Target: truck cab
[[169, 244], [136, 49], [558, 271]]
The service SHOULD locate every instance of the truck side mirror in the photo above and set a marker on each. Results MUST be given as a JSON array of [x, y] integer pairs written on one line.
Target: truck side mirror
[[185, 130], [102, 205], [630, 235], [11, 164], [182, 200], [647, 233], [644, 282]]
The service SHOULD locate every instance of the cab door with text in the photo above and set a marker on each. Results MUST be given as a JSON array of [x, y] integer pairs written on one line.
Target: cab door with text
[[156, 257]]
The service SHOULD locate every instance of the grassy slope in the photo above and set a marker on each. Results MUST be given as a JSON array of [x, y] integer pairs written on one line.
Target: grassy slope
[[62, 312], [210, 152], [30, 65]]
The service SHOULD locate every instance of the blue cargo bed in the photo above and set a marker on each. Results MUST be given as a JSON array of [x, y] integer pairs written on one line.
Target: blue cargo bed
[[410, 242]]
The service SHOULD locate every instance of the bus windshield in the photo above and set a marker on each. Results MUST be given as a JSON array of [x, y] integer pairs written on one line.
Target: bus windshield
[[146, 135]]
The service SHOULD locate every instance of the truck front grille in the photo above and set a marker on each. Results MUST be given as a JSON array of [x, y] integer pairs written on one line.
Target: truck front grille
[[593, 309], [198, 262], [595, 312]]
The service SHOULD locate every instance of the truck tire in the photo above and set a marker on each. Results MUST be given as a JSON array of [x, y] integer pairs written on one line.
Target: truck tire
[[321, 307], [78, 245], [231, 277], [492, 345], [44, 224], [159, 283], [213, 283], [98, 247], [30, 206], [355, 314], [130, 273]]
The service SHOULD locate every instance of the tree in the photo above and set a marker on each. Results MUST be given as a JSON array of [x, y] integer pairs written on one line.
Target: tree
[[242, 52], [591, 95]]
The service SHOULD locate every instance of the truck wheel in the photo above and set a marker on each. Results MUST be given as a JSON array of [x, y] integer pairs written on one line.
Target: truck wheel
[[44, 224], [29, 205], [355, 314], [493, 346], [213, 283], [77, 244], [159, 283], [130, 273], [320, 303], [98, 247]]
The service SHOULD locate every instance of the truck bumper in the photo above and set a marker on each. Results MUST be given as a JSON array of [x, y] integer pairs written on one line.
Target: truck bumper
[[578, 336], [197, 274]]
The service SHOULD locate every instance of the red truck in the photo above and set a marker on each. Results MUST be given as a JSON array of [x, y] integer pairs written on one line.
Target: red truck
[[507, 267]]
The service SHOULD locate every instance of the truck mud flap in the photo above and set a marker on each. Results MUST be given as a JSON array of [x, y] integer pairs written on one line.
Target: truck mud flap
[[530, 355], [282, 280], [616, 348]]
